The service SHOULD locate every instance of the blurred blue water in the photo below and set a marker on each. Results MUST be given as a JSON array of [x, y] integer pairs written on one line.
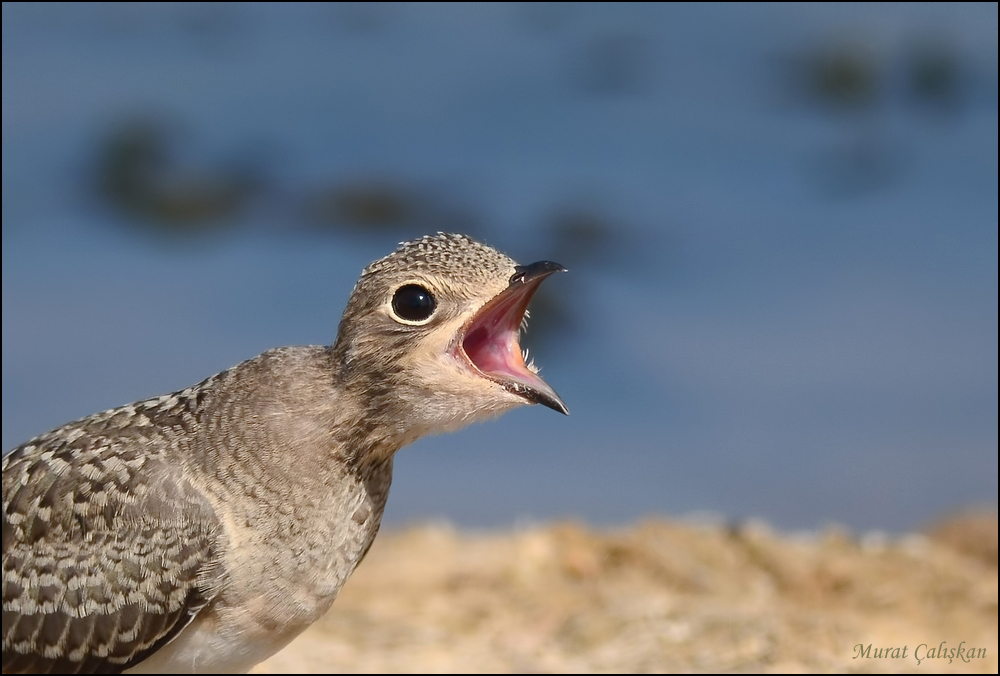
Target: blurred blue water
[[795, 316]]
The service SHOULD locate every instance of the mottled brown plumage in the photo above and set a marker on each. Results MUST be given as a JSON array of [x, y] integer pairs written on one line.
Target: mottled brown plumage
[[203, 530]]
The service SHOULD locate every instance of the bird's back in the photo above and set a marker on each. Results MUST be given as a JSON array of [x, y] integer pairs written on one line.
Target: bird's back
[[121, 528]]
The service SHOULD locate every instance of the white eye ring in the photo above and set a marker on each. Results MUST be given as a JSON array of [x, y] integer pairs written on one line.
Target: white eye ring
[[413, 303]]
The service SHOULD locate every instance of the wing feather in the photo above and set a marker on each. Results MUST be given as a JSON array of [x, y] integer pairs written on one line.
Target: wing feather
[[108, 550]]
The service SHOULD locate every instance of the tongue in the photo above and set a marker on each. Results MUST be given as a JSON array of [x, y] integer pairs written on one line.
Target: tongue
[[495, 353]]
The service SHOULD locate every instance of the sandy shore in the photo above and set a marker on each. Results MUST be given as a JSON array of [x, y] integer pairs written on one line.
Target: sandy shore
[[662, 596]]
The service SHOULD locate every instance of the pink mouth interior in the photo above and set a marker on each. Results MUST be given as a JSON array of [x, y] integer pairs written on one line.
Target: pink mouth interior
[[491, 341]]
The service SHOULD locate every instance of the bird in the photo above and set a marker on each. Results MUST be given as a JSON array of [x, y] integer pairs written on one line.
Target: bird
[[203, 530]]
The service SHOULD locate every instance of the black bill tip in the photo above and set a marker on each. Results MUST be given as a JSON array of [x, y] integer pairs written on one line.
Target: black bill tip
[[535, 271], [545, 396]]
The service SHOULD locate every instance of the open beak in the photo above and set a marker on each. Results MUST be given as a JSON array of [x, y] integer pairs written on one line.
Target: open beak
[[490, 339]]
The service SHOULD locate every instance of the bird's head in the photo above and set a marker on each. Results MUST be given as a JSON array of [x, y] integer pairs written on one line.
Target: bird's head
[[432, 330]]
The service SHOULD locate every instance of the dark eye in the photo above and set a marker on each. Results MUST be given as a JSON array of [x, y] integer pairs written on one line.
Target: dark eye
[[413, 302]]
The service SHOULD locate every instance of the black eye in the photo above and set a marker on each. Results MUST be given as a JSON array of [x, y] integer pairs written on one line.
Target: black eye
[[413, 303]]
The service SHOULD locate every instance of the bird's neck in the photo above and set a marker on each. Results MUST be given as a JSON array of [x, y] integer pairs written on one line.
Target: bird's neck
[[319, 470], [306, 428]]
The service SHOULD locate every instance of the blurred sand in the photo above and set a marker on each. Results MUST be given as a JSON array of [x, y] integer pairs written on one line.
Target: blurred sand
[[659, 596]]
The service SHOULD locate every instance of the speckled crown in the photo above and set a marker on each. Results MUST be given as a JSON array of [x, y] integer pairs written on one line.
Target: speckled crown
[[459, 256]]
